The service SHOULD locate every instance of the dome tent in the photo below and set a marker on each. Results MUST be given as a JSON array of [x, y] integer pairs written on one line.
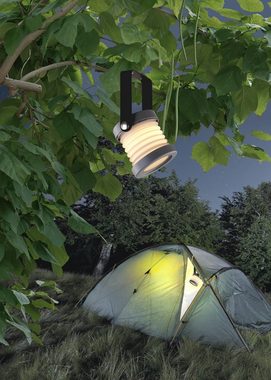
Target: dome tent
[[173, 291]]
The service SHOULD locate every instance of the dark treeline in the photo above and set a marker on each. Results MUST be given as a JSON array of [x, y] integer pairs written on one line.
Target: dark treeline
[[162, 210]]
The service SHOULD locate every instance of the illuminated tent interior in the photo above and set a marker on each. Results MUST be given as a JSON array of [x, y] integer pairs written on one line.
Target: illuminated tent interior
[[174, 291]]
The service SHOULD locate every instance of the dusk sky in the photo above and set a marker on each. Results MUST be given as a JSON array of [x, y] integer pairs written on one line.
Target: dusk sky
[[224, 180]]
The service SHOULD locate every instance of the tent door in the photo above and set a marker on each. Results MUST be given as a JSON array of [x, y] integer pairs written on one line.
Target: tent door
[[193, 284]]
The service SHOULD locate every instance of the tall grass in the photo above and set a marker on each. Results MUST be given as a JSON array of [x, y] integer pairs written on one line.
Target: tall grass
[[79, 345]]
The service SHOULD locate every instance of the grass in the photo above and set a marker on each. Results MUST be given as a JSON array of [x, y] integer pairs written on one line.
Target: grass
[[79, 345]]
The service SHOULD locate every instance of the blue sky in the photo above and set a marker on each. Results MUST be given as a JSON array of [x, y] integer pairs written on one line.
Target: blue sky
[[224, 180]]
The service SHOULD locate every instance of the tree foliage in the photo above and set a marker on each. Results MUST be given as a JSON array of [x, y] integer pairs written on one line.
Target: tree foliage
[[255, 255], [245, 219], [212, 71], [148, 212]]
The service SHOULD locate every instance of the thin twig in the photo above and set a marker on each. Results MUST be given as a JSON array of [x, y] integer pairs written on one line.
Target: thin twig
[[22, 106], [41, 113], [25, 63], [169, 92], [195, 38], [181, 28], [177, 111]]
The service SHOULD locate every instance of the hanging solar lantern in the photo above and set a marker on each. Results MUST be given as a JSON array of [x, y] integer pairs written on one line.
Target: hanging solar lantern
[[139, 132]]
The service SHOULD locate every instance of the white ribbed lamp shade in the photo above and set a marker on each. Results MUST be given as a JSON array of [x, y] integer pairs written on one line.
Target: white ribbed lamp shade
[[146, 147]]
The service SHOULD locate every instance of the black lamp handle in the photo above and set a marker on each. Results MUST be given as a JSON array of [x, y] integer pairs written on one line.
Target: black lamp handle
[[126, 77]]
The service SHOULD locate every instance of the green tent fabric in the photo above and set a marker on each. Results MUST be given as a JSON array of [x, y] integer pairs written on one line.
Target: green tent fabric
[[173, 291]]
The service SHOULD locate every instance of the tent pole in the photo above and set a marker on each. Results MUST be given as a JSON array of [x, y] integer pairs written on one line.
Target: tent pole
[[229, 318], [180, 327]]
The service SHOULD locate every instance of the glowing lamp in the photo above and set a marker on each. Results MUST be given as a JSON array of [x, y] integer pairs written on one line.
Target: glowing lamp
[[139, 133]]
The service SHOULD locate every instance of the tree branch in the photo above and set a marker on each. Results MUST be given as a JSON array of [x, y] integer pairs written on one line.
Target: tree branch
[[44, 69], [57, 65], [23, 85], [27, 40]]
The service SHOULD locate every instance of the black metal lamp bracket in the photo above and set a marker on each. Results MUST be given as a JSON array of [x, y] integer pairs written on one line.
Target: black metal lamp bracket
[[126, 115]]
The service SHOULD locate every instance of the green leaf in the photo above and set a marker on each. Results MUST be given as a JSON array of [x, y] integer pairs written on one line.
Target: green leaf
[[96, 166], [57, 270], [83, 175], [175, 5], [202, 153], [12, 167], [90, 127], [33, 312], [9, 215], [49, 227], [227, 80], [109, 156], [21, 297], [253, 151], [33, 22], [107, 101], [261, 135], [75, 87], [231, 13], [108, 185], [251, 5], [109, 27], [17, 242], [211, 153], [59, 253], [42, 304], [220, 153], [224, 34], [133, 53], [263, 94], [245, 102], [80, 225], [267, 36], [12, 39], [3, 340], [131, 33], [213, 4], [64, 126], [87, 119], [45, 254], [4, 136], [2, 251], [24, 193], [68, 32], [49, 284], [22, 327], [87, 42], [111, 79], [6, 296], [86, 21], [192, 104], [255, 62], [5, 27], [159, 20]]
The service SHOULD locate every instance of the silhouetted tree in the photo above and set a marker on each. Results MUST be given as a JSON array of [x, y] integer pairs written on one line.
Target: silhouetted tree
[[245, 219], [149, 211]]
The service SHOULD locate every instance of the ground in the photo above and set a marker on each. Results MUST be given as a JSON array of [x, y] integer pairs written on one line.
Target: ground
[[78, 345]]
